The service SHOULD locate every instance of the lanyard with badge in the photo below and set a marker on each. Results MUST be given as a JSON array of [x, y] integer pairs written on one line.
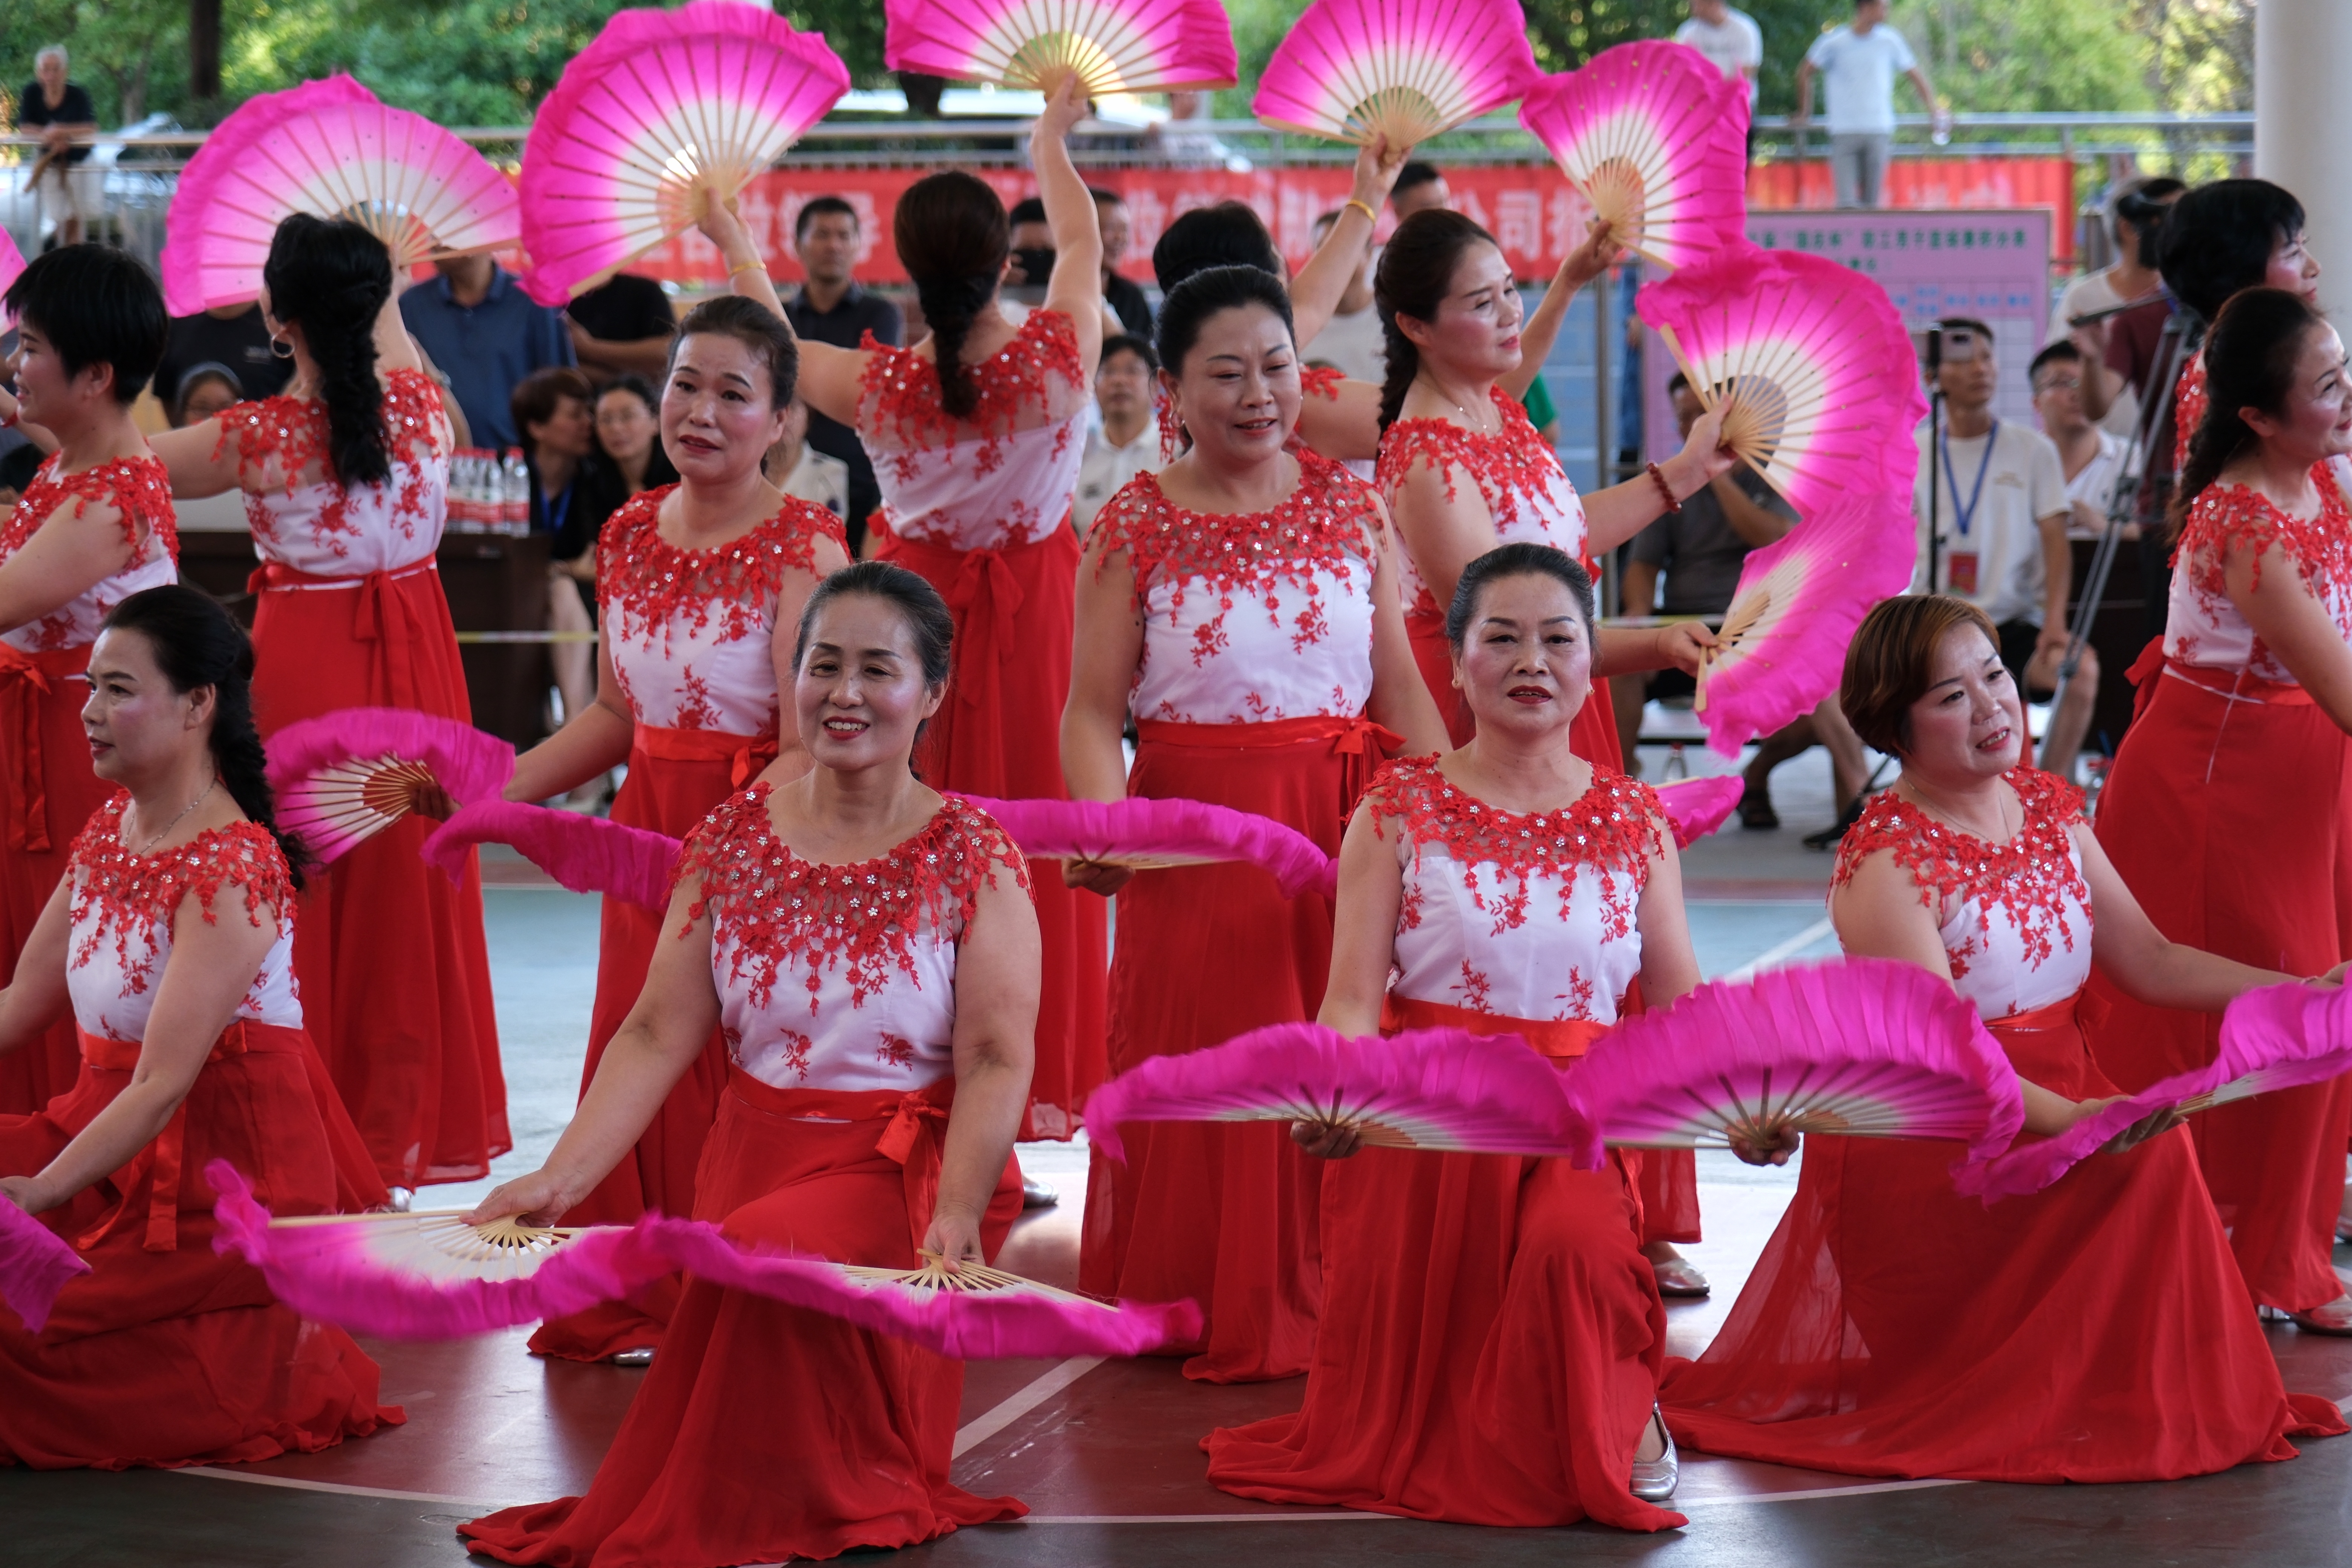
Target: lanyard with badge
[[1960, 565]]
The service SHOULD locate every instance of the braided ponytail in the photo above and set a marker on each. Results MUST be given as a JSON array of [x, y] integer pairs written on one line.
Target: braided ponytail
[[2250, 356], [952, 236], [950, 306], [1415, 274], [332, 278]]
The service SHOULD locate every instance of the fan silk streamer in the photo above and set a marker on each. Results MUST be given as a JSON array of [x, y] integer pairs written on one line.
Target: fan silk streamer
[[2279, 1037], [1656, 138], [1110, 46], [585, 854], [1361, 69], [346, 1272], [1144, 832], [329, 149], [1697, 807], [1783, 642], [1866, 1047], [35, 1264], [1422, 1088], [665, 114], [344, 775], [1812, 358]]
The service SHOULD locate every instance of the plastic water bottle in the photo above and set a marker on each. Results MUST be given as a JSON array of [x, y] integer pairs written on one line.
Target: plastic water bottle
[[465, 492], [514, 507]]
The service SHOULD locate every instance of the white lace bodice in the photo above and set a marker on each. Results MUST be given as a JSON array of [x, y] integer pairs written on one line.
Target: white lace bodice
[[1527, 493], [2202, 625], [304, 518], [139, 489]]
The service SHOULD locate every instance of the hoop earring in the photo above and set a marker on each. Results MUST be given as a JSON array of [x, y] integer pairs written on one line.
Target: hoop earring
[[280, 348]]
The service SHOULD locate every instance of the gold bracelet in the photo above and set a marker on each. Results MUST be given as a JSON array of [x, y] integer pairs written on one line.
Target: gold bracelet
[[746, 267], [1369, 216]]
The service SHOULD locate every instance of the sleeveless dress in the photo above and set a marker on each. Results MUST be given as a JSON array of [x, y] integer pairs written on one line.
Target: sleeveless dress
[[981, 509], [1256, 668], [691, 636], [45, 774], [1491, 1335], [2227, 761], [395, 973], [2092, 1331], [763, 1432], [166, 1354]]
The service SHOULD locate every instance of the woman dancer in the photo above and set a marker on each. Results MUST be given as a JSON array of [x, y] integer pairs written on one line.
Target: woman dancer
[[977, 433], [701, 586], [1895, 1328], [852, 1029], [345, 476], [95, 526], [1242, 605], [167, 950], [1491, 1337], [2240, 738]]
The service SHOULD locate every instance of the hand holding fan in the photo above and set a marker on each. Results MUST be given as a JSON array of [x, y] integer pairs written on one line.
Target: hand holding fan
[[1782, 647], [1861, 1047], [1697, 807], [1145, 833], [1423, 1089], [348, 775], [1109, 45], [1656, 138], [585, 854], [1357, 71], [329, 149], [36, 1262], [1821, 383], [665, 114]]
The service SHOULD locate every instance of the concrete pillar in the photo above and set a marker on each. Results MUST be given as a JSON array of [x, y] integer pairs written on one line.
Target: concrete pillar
[[2303, 57]]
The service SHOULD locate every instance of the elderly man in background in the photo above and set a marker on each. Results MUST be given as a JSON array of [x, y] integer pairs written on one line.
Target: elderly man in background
[[61, 113]]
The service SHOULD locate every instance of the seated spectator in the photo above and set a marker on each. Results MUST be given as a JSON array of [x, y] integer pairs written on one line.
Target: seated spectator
[[1128, 443], [1122, 294], [552, 408], [832, 308], [1699, 550], [2135, 220], [2089, 455], [800, 470], [622, 326], [201, 392], [1033, 246], [1352, 340], [59, 112], [234, 336], [484, 335]]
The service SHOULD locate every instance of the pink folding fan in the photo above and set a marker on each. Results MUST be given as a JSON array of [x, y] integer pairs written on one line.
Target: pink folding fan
[[1145, 833], [1822, 384], [1697, 807], [1656, 138], [329, 149], [1423, 1089], [34, 1265], [1864, 1047], [1357, 71], [585, 854], [433, 1276], [665, 114], [1782, 647], [1110, 46], [12, 263], [348, 775]]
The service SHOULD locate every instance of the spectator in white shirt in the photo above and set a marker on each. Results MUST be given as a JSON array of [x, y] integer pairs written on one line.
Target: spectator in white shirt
[[1731, 40], [1351, 340], [1127, 444], [2090, 457], [2135, 219], [1859, 64], [800, 470], [1997, 511]]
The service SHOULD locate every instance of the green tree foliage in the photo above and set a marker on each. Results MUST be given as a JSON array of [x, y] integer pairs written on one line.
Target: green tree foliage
[[133, 55]]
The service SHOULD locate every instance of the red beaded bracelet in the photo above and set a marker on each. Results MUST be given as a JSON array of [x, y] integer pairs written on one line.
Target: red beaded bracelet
[[1658, 478]]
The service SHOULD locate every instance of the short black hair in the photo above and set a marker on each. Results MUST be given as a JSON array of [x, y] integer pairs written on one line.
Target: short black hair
[[1965, 324], [17, 468], [816, 207], [1104, 198], [1521, 558], [1229, 234], [96, 305], [1029, 209], [1128, 343], [1212, 290], [1414, 174], [2219, 238], [2053, 353]]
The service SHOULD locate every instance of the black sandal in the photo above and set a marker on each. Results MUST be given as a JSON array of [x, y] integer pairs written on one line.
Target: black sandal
[[1756, 806]]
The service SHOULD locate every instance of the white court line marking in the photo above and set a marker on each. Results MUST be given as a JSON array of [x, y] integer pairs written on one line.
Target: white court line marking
[[1772, 955], [1203, 1518], [290, 1482], [989, 1423], [1816, 1492]]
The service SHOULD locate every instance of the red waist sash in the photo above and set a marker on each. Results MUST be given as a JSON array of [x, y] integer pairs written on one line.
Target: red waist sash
[[161, 1156], [984, 594], [1561, 1039], [916, 1137], [2238, 685], [384, 616], [24, 680], [1359, 741], [745, 756]]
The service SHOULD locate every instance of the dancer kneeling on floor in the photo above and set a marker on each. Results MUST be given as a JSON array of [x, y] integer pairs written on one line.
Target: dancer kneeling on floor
[[170, 942], [2096, 1331], [869, 950], [1491, 1335]]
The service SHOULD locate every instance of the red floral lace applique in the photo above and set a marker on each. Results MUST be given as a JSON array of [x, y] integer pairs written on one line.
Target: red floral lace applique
[[778, 911], [695, 708], [1612, 830], [2233, 516], [134, 898], [1476, 988], [796, 1049], [1578, 995], [899, 392], [293, 430], [647, 584], [2033, 879], [1509, 468], [1322, 381], [2187, 410], [139, 489], [895, 1052]]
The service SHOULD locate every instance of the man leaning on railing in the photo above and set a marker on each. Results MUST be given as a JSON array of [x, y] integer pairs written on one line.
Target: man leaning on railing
[[61, 113]]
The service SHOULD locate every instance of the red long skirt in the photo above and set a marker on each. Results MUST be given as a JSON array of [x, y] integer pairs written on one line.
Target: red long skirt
[[48, 793], [391, 959], [1226, 1215], [166, 1353], [665, 794], [764, 1431], [2092, 1331], [1490, 1349], [999, 734], [2231, 823]]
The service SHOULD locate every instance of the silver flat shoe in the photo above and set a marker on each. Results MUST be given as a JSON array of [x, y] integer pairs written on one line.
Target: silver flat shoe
[[401, 1198], [1654, 1479], [643, 1356], [1036, 1194]]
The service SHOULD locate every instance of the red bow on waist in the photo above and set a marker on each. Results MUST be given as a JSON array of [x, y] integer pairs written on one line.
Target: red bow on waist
[[25, 680]]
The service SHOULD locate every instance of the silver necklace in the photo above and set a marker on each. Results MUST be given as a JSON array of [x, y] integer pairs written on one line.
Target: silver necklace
[[177, 820]]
